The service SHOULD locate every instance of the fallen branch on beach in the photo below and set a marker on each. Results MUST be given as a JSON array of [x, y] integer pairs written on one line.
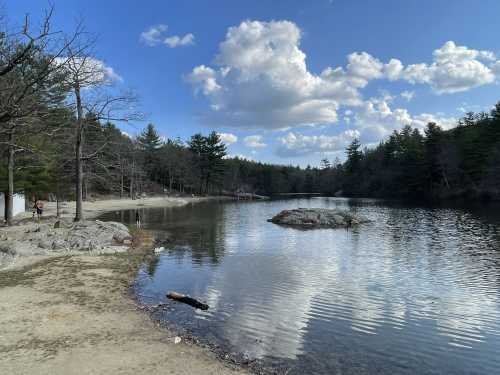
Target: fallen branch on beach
[[187, 300]]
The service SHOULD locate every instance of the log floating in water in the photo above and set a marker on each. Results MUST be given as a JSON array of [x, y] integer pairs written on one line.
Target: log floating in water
[[187, 300]]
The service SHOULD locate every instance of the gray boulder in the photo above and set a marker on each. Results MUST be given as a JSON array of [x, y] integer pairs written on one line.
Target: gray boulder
[[317, 218]]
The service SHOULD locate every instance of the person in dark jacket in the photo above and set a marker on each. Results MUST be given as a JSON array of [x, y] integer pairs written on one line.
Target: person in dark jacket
[[137, 219]]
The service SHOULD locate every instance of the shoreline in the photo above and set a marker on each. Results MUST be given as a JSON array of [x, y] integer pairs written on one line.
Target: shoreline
[[74, 314], [92, 209], [23, 223]]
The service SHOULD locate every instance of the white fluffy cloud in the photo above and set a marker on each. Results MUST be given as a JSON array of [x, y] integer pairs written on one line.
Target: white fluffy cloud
[[204, 79], [393, 69], [454, 69], [156, 35], [371, 122], [375, 120], [293, 144], [177, 41], [228, 138], [420, 121], [254, 141], [262, 80]]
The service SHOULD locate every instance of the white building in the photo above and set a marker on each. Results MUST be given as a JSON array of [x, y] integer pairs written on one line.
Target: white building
[[19, 204]]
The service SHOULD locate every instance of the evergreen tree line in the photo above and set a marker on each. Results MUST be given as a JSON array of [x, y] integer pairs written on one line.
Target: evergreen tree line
[[460, 163]]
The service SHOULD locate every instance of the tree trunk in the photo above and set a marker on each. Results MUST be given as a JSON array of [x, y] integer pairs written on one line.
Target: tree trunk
[[187, 300], [78, 156], [121, 180], [5, 206], [9, 199], [132, 180], [58, 207], [207, 183], [84, 184]]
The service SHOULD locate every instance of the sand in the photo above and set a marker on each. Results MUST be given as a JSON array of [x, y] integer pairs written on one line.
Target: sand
[[92, 209], [74, 315]]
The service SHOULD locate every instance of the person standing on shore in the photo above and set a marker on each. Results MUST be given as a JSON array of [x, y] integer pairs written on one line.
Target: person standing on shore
[[137, 219], [38, 207]]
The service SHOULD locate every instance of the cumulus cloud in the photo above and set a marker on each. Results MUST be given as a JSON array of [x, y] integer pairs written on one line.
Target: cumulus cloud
[[375, 120], [294, 144], [454, 69], [261, 80], [204, 80], [228, 138], [371, 122], [364, 67], [421, 121], [156, 35], [393, 69], [254, 141]]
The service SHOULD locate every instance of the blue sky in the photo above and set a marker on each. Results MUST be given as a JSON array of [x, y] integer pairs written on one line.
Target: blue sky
[[294, 81]]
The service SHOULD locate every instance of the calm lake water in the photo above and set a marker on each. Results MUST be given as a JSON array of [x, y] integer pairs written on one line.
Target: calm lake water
[[416, 291]]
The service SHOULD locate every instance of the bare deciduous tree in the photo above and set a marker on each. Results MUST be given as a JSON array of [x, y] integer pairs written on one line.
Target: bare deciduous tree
[[94, 95], [30, 86]]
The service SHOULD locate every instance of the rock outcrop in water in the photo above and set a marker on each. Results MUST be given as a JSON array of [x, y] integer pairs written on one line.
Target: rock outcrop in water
[[317, 218]]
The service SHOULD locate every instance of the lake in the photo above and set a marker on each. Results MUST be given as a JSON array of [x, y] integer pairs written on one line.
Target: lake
[[415, 291]]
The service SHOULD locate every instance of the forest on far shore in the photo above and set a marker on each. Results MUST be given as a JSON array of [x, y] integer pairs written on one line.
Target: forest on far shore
[[460, 163]]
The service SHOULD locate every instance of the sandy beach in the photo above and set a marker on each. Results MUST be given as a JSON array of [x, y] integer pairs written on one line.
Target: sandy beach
[[74, 315], [94, 208]]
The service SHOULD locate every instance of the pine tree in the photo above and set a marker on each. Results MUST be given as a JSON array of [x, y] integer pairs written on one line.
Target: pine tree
[[354, 156], [325, 164], [149, 140], [216, 151], [149, 143]]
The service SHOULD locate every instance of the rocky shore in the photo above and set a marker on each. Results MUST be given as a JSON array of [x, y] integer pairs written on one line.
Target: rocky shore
[[29, 241], [317, 218], [62, 237]]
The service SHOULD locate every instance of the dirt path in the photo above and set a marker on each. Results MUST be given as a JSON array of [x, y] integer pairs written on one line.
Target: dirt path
[[72, 315]]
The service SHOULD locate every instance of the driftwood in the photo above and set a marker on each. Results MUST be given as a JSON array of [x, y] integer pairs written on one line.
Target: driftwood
[[187, 300]]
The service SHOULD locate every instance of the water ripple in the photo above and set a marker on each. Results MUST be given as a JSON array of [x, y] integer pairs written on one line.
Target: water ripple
[[416, 291]]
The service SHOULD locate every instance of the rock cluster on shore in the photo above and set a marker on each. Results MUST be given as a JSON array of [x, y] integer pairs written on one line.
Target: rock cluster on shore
[[63, 237], [317, 218]]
